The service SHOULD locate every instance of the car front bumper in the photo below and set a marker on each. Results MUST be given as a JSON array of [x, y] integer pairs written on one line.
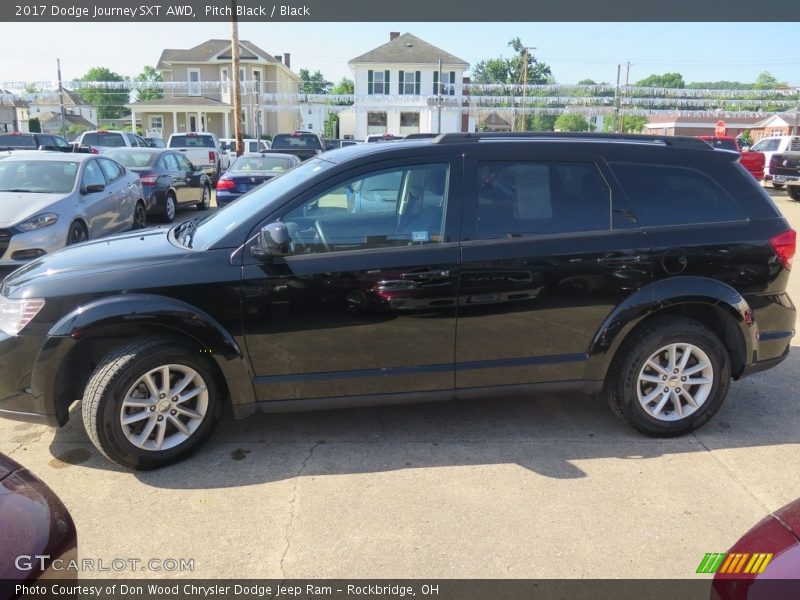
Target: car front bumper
[[17, 400]]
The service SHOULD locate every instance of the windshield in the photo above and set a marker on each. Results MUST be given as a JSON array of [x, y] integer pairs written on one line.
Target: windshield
[[191, 141], [296, 140], [275, 164], [260, 201], [133, 159], [37, 176]]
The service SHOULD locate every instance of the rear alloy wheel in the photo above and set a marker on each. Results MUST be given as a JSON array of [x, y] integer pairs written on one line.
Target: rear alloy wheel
[[169, 209], [77, 233], [205, 201], [139, 216], [150, 403], [794, 192], [671, 378]]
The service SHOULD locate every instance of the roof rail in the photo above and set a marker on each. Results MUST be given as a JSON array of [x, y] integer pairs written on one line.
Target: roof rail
[[666, 140]]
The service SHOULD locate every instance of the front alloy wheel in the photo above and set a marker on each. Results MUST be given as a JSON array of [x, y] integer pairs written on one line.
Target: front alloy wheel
[[205, 201], [151, 402]]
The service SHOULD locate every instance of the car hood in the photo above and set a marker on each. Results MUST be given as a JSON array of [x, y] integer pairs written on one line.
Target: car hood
[[124, 251], [16, 206]]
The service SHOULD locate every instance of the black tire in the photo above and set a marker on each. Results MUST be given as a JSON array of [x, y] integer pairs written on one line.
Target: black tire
[[205, 203], [170, 208], [623, 382], [139, 216], [102, 405], [794, 192], [77, 233]]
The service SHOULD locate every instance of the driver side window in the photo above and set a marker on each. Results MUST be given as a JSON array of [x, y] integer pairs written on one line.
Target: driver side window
[[395, 207]]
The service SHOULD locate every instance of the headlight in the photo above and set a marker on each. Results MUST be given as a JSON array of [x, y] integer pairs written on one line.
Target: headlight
[[39, 221], [15, 314]]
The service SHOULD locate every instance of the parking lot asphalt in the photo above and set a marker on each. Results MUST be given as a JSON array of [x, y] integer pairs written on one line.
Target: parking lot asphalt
[[552, 486]]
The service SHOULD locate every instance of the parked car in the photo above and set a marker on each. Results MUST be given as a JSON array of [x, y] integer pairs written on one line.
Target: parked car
[[39, 536], [769, 146], [155, 142], [721, 142], [49, 200], [651, 270], [202, 150], [102, 139], [250, 146], [302, 144], [169, 180], [753, 162], [764, 563], [33, 141], [249, 171], [420, 136]]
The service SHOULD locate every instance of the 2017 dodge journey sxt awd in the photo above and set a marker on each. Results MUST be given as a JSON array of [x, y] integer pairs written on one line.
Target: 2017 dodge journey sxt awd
[[652, 270]]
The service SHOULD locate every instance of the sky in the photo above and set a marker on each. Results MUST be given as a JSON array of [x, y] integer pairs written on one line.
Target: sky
[[574, 51]]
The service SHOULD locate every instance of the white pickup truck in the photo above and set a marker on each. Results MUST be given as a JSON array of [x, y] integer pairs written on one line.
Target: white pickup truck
[[203, 150], [769, 146]]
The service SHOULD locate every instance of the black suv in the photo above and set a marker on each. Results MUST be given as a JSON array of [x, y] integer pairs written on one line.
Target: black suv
[[651, 269], [33, 141]]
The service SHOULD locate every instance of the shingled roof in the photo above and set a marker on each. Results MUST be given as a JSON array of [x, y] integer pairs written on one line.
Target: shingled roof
[[408, 49], [208, 49]]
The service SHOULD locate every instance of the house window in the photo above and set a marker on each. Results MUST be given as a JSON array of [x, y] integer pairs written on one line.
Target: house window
[[448, 83], [377, 82], [376, 122], [156, 122], [194, 82], [256, 81], [409, 122], [224, 77], [408, 82]]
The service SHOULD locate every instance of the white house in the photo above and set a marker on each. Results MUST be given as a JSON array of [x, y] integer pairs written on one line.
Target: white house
[[401, 88], [46, 102]]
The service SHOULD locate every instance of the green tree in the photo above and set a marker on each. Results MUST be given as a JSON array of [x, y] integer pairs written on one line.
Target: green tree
[[542, 122], [667, 80], [571, 122], [631, 124], [313, 83], [511, 70], [110, 101], [587, 82], [147, 87], [767, 81], [34, 125], [345, 86]]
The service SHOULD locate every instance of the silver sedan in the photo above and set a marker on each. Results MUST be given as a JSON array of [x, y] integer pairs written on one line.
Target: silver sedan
[[49, 200]]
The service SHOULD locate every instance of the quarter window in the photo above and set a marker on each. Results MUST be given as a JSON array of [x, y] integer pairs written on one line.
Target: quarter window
[[396, 207], [518, 199], [665, 195]]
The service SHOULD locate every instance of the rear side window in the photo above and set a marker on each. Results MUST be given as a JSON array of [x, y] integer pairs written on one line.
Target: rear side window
[[529, 198], [668, 195], [17, 141]]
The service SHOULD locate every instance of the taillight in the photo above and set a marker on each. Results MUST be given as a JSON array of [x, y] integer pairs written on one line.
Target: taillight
[[94, 150], [148, 179], [212, 156], [225, 184], [784, 245], [773, 162]]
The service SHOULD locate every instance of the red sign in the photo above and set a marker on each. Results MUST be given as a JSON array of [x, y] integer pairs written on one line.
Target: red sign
[[720, 129]]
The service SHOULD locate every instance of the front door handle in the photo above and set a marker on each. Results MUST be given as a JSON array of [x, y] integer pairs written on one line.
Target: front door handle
[[427, 274]]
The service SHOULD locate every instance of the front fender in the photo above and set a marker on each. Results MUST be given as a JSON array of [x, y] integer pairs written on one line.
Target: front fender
[[135, 314], [662, 295]]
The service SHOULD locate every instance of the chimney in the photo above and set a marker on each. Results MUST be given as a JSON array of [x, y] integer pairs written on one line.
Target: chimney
[[279, 57], [393, 35], [287, 60]]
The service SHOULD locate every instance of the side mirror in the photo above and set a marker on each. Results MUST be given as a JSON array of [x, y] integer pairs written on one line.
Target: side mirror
[[93, 188], [273, 240]]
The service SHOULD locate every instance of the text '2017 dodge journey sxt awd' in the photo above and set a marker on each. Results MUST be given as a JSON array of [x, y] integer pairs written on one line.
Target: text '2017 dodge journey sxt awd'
[[652, 270]]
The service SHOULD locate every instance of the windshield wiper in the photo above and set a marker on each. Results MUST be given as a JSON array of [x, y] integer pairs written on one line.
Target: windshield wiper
[[19, 190]]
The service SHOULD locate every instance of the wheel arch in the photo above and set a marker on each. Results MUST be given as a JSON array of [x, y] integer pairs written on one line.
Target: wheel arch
[[707, 301], [76, 344]]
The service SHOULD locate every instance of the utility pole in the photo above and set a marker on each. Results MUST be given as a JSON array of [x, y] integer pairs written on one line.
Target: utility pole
[[237, 91], [61, 100], [616, 97], [621, 112]]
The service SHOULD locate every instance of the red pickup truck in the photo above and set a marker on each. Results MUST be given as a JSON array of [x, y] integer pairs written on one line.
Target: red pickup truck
[[754, 162]]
